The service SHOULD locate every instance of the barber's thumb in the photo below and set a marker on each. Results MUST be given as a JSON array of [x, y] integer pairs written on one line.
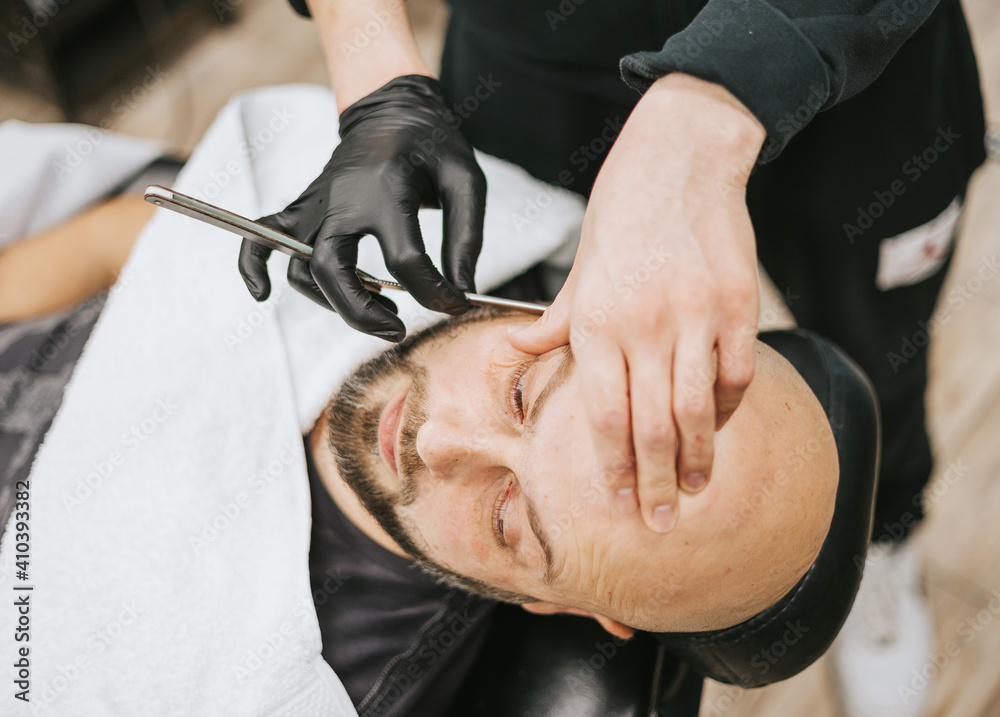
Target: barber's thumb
[[253, 268], [547, 332], [254, 256]]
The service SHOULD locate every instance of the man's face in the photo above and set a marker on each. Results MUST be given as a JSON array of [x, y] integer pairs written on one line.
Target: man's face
[[490, 452]]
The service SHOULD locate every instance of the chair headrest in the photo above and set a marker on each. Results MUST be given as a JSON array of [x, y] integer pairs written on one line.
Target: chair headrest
[[787, 637]]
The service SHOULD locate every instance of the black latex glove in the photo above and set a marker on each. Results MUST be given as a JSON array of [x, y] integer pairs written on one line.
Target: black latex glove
[[400, 150]]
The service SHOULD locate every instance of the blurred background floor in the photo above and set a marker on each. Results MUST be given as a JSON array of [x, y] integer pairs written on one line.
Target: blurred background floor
[[263, 42]]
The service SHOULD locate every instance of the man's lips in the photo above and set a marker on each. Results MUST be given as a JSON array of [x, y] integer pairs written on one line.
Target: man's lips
[[388, 430]]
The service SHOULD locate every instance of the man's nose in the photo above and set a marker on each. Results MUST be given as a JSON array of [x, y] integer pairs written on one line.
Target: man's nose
[[449, 447]]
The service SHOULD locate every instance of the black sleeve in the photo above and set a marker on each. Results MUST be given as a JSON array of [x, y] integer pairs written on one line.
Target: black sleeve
[[785, 60], [300, 7]]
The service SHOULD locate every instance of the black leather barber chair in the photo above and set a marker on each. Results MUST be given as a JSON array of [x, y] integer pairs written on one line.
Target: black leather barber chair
[[560, 666]]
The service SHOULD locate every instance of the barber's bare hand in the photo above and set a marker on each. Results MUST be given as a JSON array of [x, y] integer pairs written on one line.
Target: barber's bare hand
[[661, 305]]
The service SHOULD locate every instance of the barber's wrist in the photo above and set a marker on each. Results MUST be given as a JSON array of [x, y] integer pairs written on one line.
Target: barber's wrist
[[421, 93], [717, 125], [349, 92]]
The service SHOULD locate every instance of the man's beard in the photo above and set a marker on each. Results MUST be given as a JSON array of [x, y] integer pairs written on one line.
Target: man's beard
[[354, 415]]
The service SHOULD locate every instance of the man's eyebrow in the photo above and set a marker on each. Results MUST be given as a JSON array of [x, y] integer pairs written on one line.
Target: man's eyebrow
[[558, 377], [543, 539], [556, 380]]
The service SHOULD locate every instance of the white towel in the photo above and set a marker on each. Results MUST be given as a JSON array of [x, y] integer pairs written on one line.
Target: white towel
[[169, 503], [52, 171]]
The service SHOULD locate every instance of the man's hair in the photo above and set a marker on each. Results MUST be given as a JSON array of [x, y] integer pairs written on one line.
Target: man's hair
[[379, 502]]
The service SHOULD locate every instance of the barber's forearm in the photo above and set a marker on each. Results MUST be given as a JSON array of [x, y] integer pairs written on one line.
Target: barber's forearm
[[366, 44]]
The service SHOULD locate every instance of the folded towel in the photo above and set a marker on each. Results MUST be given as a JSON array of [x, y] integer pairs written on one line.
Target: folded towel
[[169, 503]]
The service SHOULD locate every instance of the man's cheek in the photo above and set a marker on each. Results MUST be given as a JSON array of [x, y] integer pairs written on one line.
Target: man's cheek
[[458, 541]]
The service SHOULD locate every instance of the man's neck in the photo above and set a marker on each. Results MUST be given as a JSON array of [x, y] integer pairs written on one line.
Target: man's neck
[[341, 493]]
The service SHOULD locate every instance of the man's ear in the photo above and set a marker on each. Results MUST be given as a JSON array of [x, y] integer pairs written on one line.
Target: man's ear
[[613, 626]]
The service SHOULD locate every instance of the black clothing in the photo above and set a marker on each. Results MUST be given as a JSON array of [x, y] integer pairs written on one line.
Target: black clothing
[[805, 204], [785, 59], [400, 642]]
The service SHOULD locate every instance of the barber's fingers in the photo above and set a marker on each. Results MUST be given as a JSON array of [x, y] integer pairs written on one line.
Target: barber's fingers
[[463, 199], [253, 268], [550, 330], [300, 277], [737, 355], [604, 380], [253, 256], [694, 408], [655, 439], [333, 266], [405, 258]]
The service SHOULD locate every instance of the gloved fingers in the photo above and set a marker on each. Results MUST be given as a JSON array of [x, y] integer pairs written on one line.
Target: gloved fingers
[[385, 301], [333, 266], [301, 279], [253, 257], [403, 249], [253, 268], [463, 199]]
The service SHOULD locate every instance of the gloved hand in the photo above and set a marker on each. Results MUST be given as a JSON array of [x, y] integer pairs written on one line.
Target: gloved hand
[[400, 150]]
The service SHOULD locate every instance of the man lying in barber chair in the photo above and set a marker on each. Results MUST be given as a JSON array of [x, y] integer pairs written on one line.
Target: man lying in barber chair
[[457, 452]]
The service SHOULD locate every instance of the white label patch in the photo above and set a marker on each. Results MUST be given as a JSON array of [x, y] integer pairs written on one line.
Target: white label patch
[[914, 255]]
